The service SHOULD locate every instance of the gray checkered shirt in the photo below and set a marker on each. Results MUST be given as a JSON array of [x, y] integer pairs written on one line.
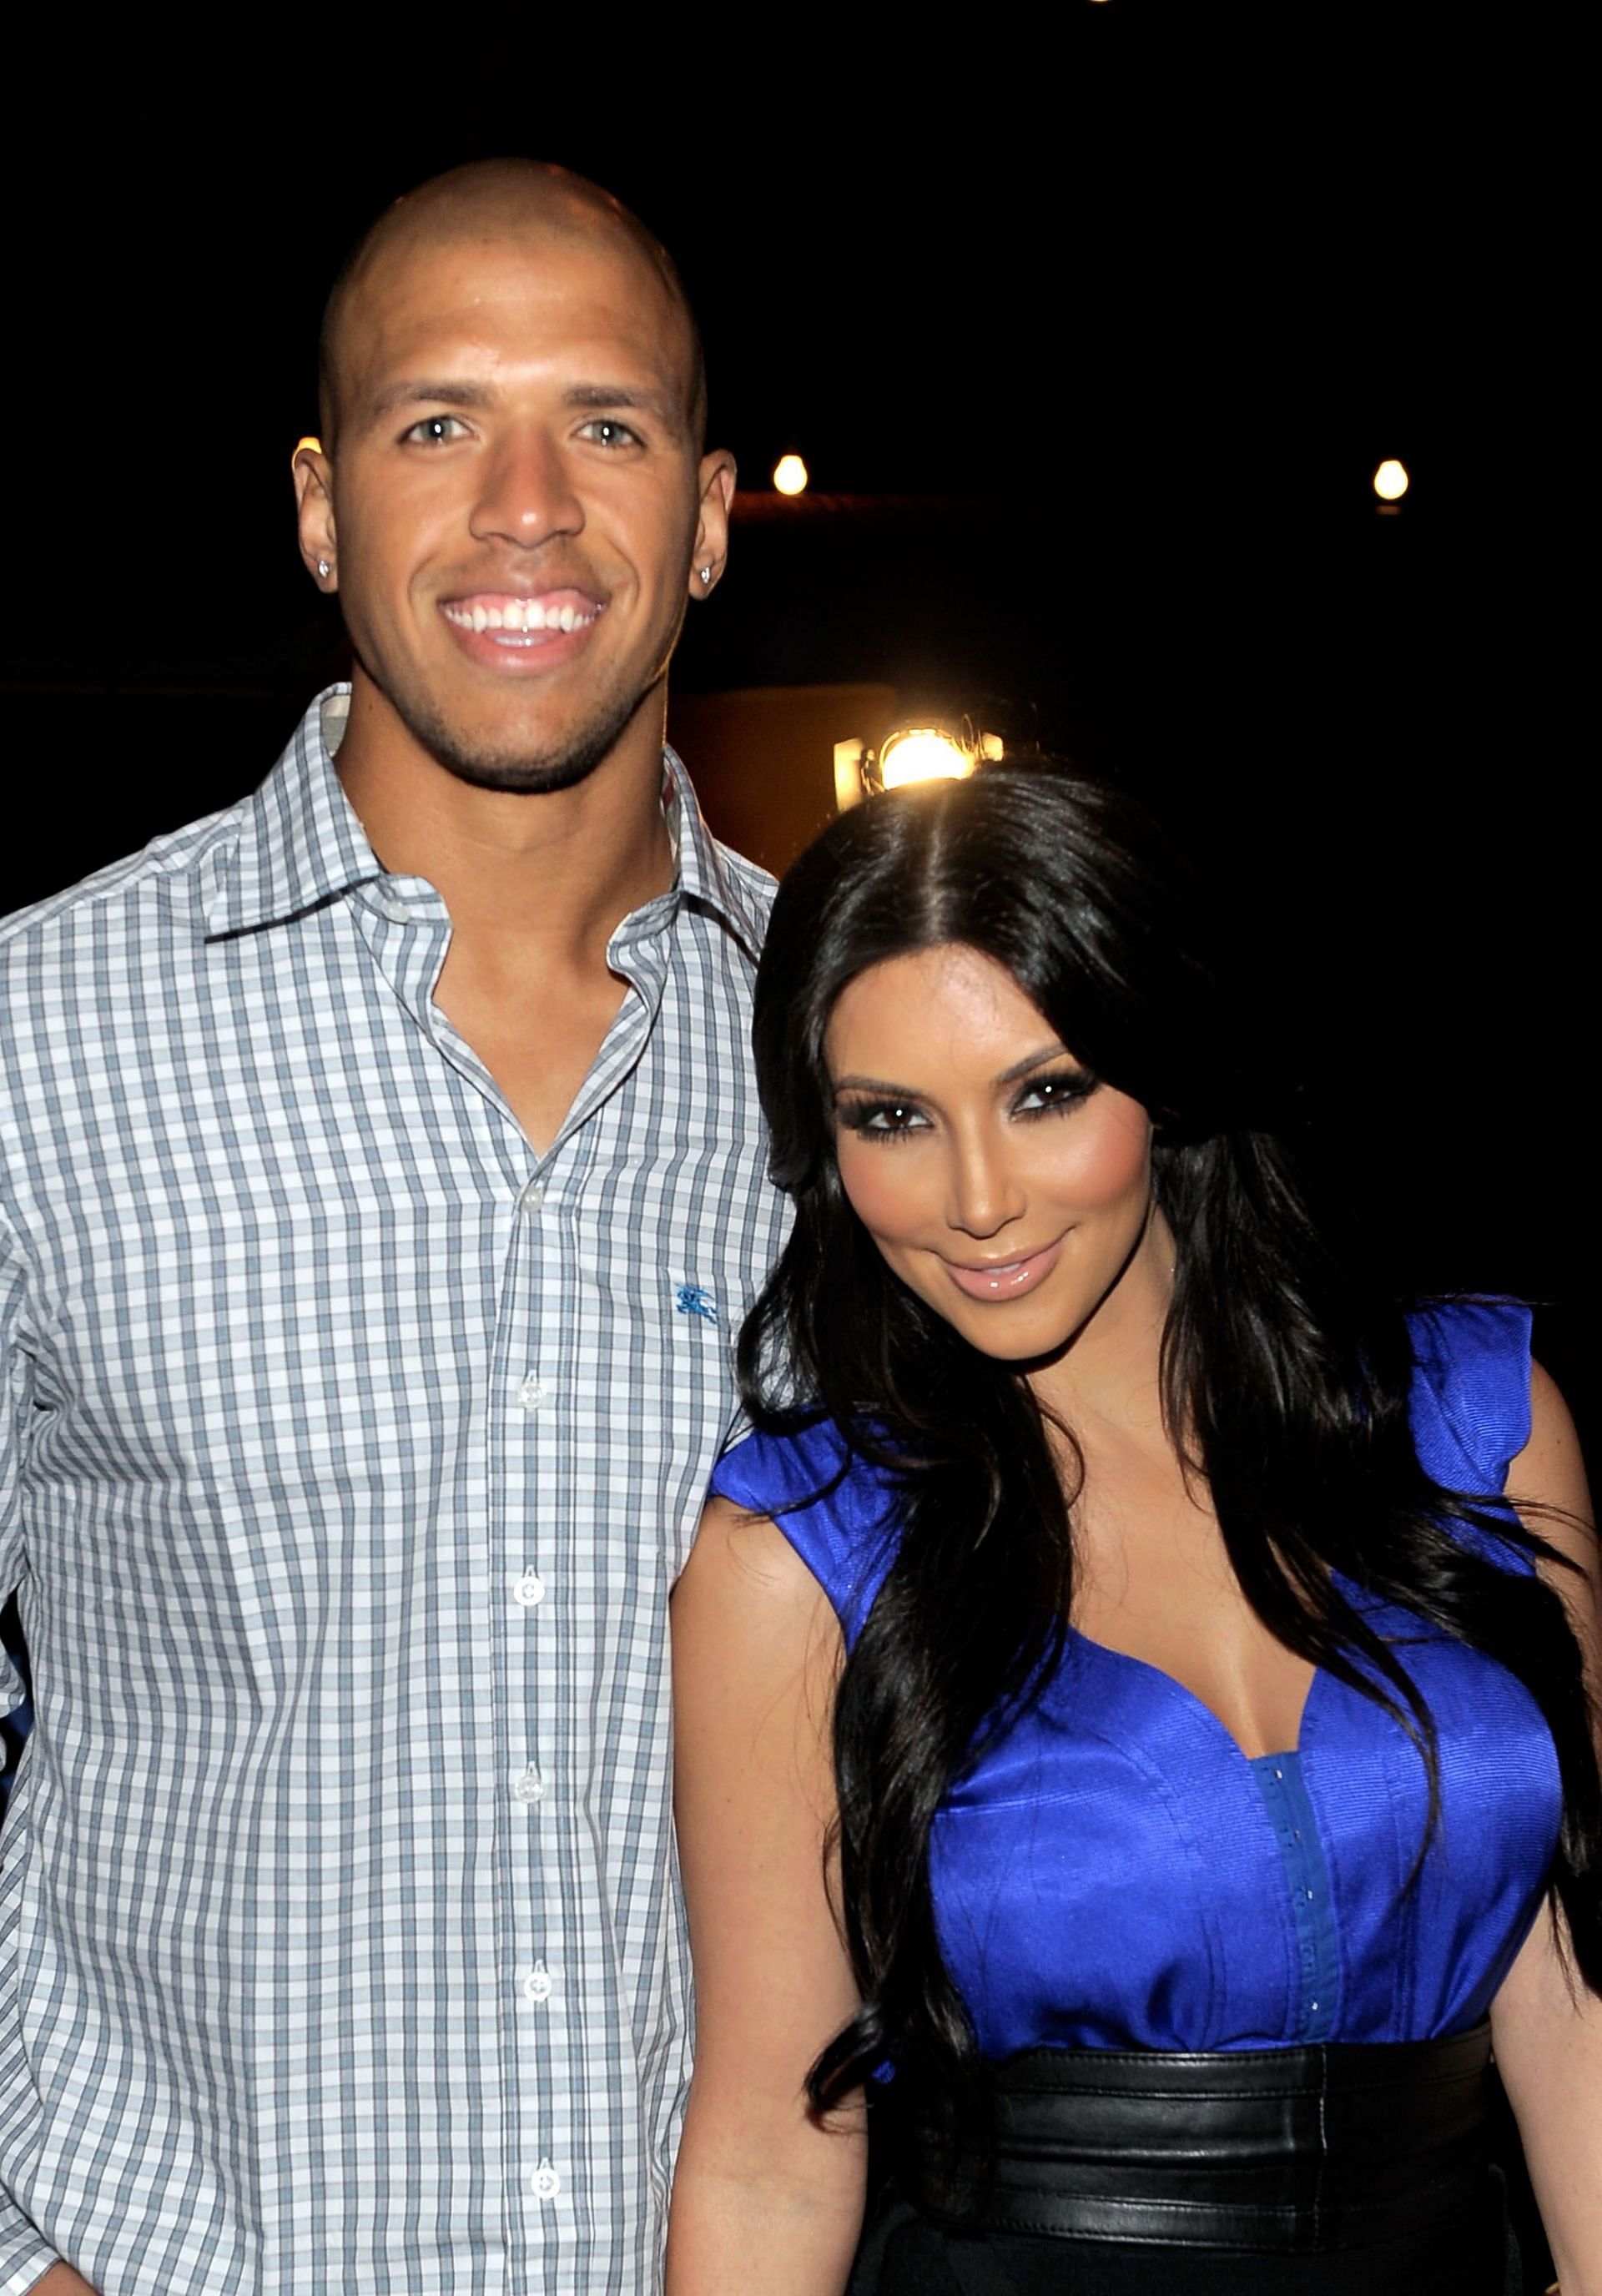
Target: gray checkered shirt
[[350, 1454]]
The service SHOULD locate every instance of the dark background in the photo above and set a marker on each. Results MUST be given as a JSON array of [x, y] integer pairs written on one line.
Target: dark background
[[1097, 318], [1133, 299]]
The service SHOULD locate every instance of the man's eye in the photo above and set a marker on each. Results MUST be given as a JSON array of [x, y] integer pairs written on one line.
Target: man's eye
[[605, 430], [437, 429]]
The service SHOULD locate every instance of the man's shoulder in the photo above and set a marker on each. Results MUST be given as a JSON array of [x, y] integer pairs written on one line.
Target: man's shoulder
[[169, 861]]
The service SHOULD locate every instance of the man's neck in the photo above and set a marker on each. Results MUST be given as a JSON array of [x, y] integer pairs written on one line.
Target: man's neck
[[543, 879]]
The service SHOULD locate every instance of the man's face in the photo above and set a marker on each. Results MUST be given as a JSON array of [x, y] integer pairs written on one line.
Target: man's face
[[515, 498]]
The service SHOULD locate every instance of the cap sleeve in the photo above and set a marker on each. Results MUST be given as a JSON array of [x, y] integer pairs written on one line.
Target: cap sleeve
[[1470, 1403], [837, 1511]]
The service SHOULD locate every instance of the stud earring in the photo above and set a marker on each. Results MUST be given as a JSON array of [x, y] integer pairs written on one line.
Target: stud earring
[[323, 568], [706, 575]]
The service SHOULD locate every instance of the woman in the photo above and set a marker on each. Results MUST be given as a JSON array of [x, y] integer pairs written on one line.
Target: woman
[[1120, 1727]]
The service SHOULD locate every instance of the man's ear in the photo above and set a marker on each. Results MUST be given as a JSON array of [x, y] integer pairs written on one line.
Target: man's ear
[[717, 482], [313, 498]]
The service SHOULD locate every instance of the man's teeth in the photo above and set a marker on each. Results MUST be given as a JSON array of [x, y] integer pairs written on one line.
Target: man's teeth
[[528, 614]]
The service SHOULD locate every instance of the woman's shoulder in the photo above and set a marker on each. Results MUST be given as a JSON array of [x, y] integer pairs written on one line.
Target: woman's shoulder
[[1470, 1401], [837, 1507]]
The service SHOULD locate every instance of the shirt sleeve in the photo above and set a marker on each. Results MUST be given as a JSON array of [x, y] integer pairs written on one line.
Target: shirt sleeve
[[15, 1402], [25, 2254]]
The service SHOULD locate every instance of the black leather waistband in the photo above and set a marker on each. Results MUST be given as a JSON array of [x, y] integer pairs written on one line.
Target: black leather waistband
[[1339, 2145]]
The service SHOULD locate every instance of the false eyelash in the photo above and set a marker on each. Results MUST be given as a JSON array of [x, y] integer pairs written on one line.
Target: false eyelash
[[857, 1116], [1072, 1088]]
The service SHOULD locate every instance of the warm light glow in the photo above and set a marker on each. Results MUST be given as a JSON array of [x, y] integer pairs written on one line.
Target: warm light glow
[[315, 444], [923, 753], [790, 475], [1391, 481], [848, 772]]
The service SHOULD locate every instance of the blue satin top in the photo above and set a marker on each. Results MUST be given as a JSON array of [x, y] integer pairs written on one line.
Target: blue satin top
[[1117, 1873]]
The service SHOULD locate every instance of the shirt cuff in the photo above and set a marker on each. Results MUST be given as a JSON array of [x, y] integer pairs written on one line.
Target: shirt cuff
[[26, 2256]]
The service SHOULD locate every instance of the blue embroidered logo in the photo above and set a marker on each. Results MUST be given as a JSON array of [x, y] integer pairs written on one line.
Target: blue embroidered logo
[[693, 1300]]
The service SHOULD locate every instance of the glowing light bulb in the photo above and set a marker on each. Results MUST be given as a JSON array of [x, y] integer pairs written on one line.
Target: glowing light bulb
[[923, 753], [1390, 480], [790, 475]]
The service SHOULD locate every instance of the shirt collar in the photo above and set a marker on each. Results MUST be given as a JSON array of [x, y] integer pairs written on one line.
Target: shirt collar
[[705, 875], [300, 842]]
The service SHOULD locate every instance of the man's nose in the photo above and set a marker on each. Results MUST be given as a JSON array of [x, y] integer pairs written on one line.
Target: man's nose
[[528, 493]]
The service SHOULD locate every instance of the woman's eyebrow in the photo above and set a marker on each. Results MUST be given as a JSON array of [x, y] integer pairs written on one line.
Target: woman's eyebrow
[[873, 1083], [1053, 1050]]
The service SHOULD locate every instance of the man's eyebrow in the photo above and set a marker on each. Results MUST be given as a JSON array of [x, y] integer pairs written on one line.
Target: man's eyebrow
[[660, 402], [423, 391], [437, 393]]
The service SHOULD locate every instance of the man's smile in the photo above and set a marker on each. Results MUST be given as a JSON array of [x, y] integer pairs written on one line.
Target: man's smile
[[496, 625]]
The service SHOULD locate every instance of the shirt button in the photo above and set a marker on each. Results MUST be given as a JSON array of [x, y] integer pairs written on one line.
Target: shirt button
[[544, 2183], [529, 1786], [537, 1985], [529, 1590], [396, 911], [532, 1197], [530, 1392]]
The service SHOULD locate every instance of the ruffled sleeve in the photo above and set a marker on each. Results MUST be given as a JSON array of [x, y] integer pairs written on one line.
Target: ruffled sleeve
[[836, 1510]]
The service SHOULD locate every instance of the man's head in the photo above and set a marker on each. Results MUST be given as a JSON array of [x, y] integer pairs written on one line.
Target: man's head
[[513, 498]]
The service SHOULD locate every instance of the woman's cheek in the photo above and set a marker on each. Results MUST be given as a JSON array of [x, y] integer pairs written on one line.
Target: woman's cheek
[[880, 1195], [1109, 1156]]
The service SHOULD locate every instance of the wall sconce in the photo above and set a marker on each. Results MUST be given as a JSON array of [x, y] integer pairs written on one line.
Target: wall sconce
[[911, 753]]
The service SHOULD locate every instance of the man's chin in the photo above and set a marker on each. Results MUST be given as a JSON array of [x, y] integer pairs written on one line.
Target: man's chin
[[521, 765], [521, 776]]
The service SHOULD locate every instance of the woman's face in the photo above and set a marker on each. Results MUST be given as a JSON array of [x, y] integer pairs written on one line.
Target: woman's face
[[1003, 1185]]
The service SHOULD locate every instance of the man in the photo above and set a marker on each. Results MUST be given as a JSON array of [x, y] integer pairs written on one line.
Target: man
[[380, 1188]]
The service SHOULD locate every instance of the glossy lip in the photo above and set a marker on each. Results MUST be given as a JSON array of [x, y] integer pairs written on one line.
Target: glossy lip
[[523, 654], [1005, 1280]]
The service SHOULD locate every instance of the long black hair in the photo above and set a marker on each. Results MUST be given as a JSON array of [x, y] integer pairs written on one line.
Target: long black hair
[[1284, 1371]]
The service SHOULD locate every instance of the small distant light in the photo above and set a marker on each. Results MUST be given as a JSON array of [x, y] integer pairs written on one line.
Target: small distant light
[[923, 753], [790, 475], [1391, 481]]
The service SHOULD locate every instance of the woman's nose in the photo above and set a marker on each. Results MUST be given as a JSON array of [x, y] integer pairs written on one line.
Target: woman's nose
[[985, 1190]]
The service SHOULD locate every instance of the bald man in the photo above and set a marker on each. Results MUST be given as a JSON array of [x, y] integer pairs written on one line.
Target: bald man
[[381, 1187]]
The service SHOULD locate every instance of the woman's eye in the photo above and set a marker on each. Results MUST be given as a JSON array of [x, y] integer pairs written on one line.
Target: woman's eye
[[1066, 1089], [437, 429], [885, 1119]]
